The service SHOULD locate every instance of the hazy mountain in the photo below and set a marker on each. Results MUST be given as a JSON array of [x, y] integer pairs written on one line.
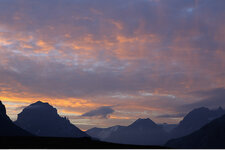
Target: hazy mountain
[[43, 120], [210, 136], [103, 133], [141, 132], [168, 127], [195, 119], [7, 127]]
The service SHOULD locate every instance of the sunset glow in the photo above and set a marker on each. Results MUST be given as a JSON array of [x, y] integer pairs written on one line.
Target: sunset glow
[[132, 58]]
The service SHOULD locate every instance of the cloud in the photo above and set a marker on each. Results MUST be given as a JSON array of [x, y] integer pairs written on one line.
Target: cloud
[[180, 115], [210, 93], [119, 46], [91, 50], [101, 112], [212, 98]]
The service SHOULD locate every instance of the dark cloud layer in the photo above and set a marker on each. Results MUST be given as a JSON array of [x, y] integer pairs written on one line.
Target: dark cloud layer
[[213, 99], [181, 115], [102, 112]]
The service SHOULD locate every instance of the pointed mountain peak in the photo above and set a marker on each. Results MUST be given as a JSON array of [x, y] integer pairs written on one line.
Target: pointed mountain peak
[[39, 105], [197, 111], [220, 108], [201, 109], [143, 120], [144, 123]]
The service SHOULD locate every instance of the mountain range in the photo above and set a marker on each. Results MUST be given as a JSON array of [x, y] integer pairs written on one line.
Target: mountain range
[[200, 128], [14, 137], [145, 131], [140, 132]]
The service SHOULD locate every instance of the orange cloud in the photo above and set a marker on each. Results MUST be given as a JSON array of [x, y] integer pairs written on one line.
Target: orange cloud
[[75, 60]]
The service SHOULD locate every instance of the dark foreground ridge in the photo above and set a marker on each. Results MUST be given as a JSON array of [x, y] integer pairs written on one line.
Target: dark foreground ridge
[[63, 143], [210, 136], [7, 127]]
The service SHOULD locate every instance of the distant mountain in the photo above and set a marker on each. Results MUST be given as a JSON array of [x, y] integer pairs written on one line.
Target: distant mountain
[[7, 127], [196, 119], [210, 136], [43, 120], [141, 132], [103, 133]]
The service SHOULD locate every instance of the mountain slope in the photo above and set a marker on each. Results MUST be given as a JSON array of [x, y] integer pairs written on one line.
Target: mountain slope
[[43, 120], [210, 136], [7, 127], [168, 127], [103, 133], [141, 132], [196, 119]]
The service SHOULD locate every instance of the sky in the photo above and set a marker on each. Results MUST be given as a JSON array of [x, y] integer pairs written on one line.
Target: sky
[[109, 62]]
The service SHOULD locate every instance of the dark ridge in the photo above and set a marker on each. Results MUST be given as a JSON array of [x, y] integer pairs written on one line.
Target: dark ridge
[[7, 127], [145, 123], [64, 143], [196, 119], [210, 136]]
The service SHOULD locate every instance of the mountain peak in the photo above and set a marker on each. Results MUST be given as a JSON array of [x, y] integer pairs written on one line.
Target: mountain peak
[[200, 109], [42, 119], [41, 108], [210, 136], [195, 113], [143, 120], [140, 132], [195, 119], [2, 109], [3, 114], [220, 108], [146, 122], [39, 103]]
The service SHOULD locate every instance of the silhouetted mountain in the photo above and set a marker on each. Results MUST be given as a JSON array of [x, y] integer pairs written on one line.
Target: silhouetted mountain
[[103, 133], [141, 132], [210, 136], [196, 119], [43, 120], [7, 127]]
